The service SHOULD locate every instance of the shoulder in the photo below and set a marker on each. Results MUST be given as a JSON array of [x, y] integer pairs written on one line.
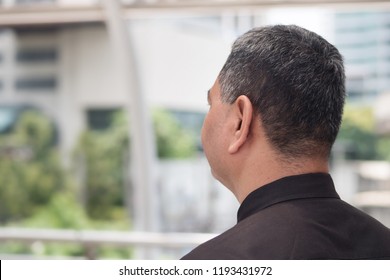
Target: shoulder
[[266, 234], [301, 229]]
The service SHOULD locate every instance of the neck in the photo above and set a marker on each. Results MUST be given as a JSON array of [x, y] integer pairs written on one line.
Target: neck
[[255, 174]]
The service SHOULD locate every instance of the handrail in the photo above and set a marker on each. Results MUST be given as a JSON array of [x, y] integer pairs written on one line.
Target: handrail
[[91, 239], [96, 237]]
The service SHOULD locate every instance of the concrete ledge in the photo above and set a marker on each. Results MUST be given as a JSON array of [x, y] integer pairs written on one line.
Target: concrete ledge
[[20, 15]]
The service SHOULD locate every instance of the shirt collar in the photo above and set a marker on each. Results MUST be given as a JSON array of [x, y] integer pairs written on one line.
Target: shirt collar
[[288, 188]]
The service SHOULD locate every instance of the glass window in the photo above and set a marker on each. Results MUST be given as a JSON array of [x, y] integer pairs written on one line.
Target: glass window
[[36, 83], [38, 30], [7, 118], [34, 1], [191, 121], [36, 55], [100, 119]]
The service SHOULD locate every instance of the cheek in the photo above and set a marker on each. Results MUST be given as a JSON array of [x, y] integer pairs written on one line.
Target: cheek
[[211, 137], [204, 132]]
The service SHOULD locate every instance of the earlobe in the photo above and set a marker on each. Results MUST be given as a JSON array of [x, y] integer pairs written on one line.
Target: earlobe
[[243, 113]]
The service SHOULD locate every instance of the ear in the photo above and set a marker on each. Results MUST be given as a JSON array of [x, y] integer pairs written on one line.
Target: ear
[[242, 113]]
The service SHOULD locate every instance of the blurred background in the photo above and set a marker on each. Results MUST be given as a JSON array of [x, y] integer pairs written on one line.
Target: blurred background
[[101, 106]]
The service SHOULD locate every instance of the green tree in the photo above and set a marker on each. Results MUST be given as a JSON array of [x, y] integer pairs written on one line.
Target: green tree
[[358, 135], [173, 141], [30, 170], [104, 156]]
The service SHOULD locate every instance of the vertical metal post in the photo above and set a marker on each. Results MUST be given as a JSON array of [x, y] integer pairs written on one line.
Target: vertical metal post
[[142, 147]]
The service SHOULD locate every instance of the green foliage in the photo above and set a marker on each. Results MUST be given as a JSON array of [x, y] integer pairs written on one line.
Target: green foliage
[[35, 131], [173, 141], [63, 211], [30, 170], [35, 191], [383, 147], [104, 156], [358, 135]]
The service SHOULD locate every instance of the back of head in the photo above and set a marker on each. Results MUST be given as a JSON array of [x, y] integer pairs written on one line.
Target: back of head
[[295, 81]]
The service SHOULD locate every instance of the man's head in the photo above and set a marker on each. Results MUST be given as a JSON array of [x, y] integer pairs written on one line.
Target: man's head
[[295, 81], [278, 98]]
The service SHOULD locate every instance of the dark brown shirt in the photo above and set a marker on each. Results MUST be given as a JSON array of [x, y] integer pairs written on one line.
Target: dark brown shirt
[[298, 217]]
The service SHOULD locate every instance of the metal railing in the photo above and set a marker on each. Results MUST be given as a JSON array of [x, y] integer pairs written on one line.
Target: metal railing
[[91, 239]]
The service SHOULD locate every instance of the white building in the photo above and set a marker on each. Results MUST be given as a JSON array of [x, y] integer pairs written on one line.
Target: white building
[[68, 70], [363, 37]]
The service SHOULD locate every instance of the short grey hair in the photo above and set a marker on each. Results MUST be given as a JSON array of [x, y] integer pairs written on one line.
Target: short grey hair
[[295, 80]]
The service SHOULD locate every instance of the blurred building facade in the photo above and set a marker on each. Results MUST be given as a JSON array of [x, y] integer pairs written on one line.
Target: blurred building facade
[[55, 69], [363, 37], [59, 69], [68, 72]]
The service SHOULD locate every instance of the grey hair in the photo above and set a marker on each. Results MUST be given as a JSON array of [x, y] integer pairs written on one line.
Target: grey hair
[[295, 80]]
